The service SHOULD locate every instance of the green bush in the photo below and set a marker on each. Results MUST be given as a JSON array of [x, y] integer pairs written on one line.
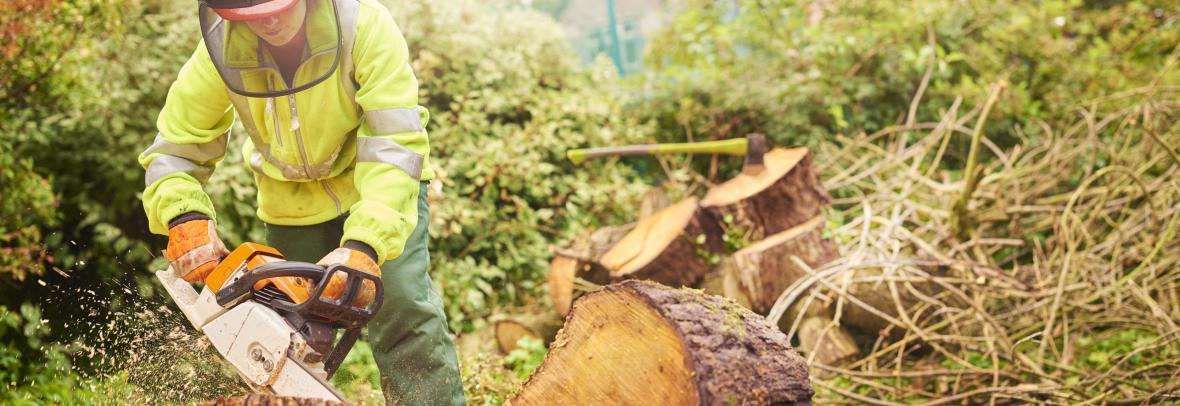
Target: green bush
[[801, 71], [507, 100]]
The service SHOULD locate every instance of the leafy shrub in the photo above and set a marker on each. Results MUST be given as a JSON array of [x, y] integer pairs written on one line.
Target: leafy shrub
[[801, 71], [507, 100]]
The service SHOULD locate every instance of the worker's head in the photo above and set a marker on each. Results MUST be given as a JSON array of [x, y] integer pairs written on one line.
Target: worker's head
[[255, 43], [275, 21]]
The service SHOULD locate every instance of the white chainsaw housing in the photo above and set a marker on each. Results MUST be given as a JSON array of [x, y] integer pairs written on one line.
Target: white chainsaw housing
[[264, 349]]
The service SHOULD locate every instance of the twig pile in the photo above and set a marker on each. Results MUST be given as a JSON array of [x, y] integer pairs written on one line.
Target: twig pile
[[1065, 247]]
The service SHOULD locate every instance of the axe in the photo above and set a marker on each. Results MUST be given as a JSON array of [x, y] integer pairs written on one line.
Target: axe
[[752, 147]]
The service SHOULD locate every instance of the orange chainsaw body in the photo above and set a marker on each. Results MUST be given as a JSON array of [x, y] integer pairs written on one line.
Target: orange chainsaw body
[[249, 256]]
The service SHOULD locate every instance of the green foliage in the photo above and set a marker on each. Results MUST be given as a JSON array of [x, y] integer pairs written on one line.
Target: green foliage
[[33, 371], [507, 100], [526, 357], [801, 71]]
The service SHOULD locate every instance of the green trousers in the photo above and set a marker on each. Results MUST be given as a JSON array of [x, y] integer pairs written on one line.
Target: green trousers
[[409, 334]]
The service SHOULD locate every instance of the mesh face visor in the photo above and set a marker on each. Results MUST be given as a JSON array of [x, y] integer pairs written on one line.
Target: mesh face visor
[[244, 59]]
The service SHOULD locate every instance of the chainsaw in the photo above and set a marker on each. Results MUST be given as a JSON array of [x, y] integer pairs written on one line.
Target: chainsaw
[[267, 317]]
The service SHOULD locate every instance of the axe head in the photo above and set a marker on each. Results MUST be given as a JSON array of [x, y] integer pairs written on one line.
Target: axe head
[[757, 148]]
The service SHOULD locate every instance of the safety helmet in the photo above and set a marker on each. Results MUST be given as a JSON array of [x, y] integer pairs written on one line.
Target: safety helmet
[[243, 59]]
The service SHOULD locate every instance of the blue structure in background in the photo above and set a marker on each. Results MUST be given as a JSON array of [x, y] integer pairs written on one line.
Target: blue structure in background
[[614, 28]]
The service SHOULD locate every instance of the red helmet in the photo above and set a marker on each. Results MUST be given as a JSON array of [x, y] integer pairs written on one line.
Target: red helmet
[[244, 10]]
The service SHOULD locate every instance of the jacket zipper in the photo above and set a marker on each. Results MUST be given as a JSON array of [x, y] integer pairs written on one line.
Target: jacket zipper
[[270, 109], [303, 153]]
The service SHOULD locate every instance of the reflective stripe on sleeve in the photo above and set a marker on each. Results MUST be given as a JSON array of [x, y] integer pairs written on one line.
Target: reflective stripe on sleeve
[[164, 165], [394, 121], [200, 153], [387, 151], [171, 158]]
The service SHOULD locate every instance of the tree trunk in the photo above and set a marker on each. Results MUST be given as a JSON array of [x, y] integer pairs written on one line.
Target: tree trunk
[[784, 195], [540, 325], [259, 399], [675, 247], [578, 261], [640, 343]]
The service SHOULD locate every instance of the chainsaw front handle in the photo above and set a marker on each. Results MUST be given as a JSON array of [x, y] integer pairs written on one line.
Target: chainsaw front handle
[[340, 311]]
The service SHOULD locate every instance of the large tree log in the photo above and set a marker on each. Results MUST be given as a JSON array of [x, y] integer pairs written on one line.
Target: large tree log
[[640, 343], [578, 261], [784, 195], [259, 399], [671, 247]]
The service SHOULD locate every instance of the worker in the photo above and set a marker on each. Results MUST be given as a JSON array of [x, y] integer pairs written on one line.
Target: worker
[[337, 145]]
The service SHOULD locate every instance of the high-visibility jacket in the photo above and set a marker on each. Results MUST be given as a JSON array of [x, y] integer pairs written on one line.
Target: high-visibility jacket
[[355, 143]]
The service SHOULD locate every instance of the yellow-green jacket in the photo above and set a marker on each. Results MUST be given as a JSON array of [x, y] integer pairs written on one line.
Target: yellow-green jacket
[[355, 143]]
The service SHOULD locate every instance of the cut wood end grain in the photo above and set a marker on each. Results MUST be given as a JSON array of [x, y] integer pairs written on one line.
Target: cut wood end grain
[[641, 343]]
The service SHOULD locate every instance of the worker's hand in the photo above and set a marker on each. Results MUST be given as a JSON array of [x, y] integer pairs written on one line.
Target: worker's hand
[[355, 259], [193, 247]]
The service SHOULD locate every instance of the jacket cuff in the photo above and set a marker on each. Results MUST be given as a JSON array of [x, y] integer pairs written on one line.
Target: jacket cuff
[[362, 247], [187, 217]]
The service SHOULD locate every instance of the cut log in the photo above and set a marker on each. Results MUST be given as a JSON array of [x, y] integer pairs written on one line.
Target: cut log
[[258, 399], [641, 343], [830, 343], [870, 286], [578, 261], [541, 326], [784, 195], [759, 273], [672, 247]]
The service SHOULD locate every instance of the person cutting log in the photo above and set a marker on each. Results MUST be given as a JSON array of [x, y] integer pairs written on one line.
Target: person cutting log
[[337, 145]]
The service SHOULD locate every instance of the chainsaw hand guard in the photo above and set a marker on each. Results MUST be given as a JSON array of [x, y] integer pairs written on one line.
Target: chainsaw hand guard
[[339, 312]]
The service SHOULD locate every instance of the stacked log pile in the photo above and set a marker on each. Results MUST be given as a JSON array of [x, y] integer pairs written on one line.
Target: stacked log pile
[[773, 216]]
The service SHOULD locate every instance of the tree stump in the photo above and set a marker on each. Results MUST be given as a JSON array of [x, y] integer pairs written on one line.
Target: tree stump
[[784, 195], [578, 261], [541, 326], [640, 343], [671, 247], [258, 399]]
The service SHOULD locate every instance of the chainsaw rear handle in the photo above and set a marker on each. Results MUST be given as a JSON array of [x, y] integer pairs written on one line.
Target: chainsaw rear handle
[[340, 311]]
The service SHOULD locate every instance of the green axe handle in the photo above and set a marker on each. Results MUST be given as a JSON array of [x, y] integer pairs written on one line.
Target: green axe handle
[[735, 147]]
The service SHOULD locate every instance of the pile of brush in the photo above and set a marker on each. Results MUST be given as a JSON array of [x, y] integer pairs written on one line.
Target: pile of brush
[[1055, 260]]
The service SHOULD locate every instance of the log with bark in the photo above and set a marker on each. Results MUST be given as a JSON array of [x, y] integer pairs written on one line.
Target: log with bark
[[757, 275], [672, 247], [641, 343], [258, 399], [787, 193]]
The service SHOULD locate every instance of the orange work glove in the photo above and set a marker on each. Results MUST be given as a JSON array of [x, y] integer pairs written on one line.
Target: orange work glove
[[355, 259], [193, 247]]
